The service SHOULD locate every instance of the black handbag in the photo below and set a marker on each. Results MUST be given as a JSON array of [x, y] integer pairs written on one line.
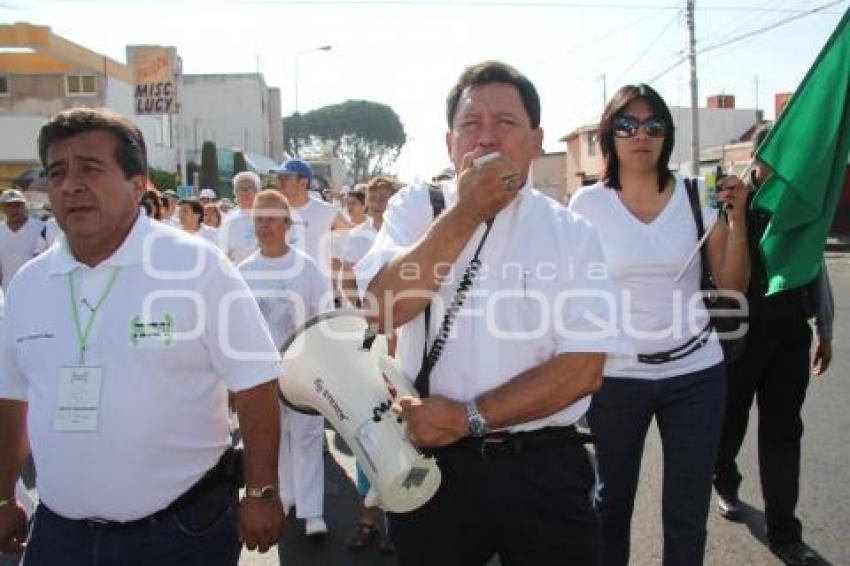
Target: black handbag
[[716, 303]]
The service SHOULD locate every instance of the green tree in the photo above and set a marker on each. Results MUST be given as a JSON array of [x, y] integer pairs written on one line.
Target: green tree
[[162, 180], [209, 166], [367, 135], [239, 163]]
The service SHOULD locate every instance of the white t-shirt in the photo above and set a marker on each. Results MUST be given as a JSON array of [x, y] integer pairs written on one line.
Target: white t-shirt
[[53, 231], [535, 297], [18, 247], [311, 231], [358, 241], [658, 313], [238, 239], [178, 329], [209, 234], [289, 290]]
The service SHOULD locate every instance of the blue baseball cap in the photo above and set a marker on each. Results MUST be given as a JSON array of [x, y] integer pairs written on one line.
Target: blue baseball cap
[[295, 167]]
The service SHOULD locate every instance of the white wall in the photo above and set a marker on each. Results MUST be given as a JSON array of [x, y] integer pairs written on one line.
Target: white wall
[[19, 137], [717, 126], [230, 110]]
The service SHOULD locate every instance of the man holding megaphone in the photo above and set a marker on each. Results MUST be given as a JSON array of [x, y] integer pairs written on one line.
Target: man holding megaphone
[[494, 300]]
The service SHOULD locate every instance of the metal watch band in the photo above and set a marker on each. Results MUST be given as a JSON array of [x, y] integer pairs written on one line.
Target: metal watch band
[[475, 420]]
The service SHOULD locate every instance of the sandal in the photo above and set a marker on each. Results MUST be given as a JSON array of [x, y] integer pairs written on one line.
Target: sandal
[[363, 536]]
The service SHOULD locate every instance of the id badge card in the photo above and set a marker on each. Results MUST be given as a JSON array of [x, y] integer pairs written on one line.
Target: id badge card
[[78, 403]]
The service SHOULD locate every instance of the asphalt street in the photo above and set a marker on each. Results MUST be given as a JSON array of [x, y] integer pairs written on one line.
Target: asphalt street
[[824, 502]]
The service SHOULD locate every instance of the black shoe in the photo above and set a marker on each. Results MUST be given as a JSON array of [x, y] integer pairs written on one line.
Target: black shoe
[[730, 506], [795, 554]]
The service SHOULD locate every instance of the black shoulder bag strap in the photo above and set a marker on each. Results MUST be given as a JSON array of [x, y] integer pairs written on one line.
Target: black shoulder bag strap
[[696, 209], [430, 357]]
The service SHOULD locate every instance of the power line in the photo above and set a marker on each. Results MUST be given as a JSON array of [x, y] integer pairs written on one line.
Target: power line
[[652, 43], [506, 4], [746, 36]]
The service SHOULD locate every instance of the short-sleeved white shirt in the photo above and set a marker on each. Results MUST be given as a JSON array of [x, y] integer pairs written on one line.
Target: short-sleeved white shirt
[[536, 297], [658, 313], [289, 290], [359, 240], [52, 232], [18, 247], [238, 239], [179, 328], [311, 231]]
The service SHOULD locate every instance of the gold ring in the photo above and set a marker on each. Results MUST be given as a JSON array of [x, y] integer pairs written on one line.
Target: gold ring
[[509, 182]]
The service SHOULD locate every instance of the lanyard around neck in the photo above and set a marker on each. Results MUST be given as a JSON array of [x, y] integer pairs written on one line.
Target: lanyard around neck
[[84, 333]]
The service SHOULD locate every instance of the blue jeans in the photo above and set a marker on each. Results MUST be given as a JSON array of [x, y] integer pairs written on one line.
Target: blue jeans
[[199, 533], [689, 411]]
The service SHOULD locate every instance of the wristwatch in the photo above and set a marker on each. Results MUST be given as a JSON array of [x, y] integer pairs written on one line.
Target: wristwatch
[[475, 420], [265, 493]]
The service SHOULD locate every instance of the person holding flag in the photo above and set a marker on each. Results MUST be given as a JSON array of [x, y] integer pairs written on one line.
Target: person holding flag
[[800, 166]]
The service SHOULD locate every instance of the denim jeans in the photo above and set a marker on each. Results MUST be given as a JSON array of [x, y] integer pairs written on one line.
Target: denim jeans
[[689, 412], [199, 533]]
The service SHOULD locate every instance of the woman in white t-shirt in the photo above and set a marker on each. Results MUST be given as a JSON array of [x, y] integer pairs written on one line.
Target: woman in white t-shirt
[[647, 228], [191, 213]]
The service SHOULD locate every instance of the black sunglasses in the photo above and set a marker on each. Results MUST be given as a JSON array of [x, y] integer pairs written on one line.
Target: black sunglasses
[[628, 126]]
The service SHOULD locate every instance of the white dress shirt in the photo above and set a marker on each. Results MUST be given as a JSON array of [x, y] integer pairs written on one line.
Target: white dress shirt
[[537, 295]]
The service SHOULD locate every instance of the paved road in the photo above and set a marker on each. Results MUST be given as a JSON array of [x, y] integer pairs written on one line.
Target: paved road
[[824, 502]]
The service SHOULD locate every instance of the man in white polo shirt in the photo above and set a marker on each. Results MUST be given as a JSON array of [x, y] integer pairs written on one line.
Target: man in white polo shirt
[[521, 346], [237, 229], [118, 348], [21, 237]]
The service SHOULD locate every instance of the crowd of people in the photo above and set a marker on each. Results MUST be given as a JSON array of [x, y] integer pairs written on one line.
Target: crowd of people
[[140, 320]]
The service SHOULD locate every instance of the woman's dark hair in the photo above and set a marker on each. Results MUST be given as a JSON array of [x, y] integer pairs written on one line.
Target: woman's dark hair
[[615, 108], [196, 206], [357, 194], [131, 153], [495, 72], [152, 204]]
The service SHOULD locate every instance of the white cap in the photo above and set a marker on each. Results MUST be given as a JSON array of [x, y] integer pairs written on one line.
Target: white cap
[[207, 193], [12, 195]]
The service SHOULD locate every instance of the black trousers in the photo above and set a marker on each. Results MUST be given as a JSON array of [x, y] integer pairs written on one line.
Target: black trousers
[[775, 369], [530, 508]]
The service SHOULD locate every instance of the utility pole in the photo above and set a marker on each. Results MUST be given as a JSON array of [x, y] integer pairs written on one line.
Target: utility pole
[[692, 59], [757, 101]]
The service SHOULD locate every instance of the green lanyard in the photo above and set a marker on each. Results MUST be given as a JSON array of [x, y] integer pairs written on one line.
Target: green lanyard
[[83, 335]]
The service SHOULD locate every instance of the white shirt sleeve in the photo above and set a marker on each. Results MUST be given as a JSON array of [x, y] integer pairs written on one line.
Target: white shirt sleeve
[[407, 217], [13, 383], [589, 307], [241, 349]]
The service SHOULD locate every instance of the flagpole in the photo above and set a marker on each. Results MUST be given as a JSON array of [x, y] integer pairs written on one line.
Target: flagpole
[[702, 240]]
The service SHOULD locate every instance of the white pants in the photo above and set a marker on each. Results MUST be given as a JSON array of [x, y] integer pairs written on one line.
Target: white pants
[[301, 465]]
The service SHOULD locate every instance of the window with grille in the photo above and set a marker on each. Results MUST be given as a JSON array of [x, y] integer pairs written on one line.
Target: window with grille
[[82, 84]]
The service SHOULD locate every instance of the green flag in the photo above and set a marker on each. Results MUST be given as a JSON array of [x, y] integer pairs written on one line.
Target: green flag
[[807, 150]]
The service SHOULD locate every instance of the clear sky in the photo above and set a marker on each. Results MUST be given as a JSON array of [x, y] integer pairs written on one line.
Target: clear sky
[[407, 54]]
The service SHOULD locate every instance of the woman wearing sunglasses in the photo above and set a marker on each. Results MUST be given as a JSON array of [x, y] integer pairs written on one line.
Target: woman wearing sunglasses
[[646, 224]]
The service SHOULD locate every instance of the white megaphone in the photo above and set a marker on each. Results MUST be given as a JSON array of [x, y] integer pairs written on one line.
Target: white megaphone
[[333, 365]]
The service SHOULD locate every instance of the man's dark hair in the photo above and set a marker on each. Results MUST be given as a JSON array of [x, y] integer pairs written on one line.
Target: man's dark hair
[[131, 153], [195, 205], [495, 72], [615, 108]]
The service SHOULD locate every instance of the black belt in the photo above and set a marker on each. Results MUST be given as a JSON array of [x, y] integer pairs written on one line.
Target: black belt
[[679, 352], [510, 443], [228, 469]]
